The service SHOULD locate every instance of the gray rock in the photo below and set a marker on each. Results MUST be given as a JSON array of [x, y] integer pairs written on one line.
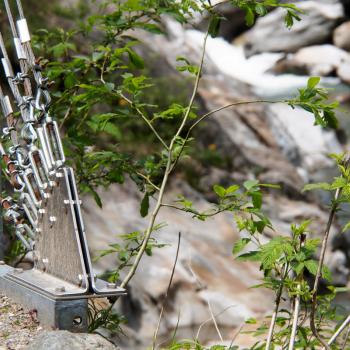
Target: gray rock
[[341, 37], [59, 340], [270, 34], [319, 60], [343, 71]]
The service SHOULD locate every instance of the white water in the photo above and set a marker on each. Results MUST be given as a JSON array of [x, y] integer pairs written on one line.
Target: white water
[[230, 60]]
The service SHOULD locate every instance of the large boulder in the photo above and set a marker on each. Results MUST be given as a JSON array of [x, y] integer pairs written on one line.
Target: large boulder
[[341, 36], [271, 35], [319, 60]]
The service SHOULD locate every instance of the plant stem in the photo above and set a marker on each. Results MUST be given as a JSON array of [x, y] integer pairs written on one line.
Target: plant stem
[[206, 115], [167, 292], [319, 270], [167, 172], [295, 320], [275, 312], [146, 120]]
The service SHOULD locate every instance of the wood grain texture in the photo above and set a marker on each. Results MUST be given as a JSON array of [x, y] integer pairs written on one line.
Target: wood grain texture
[[58, 249]]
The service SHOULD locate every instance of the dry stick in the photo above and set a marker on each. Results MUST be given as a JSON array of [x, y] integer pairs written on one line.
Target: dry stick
[[211, 318], [167, 292], [167, 172], [295, 320], [339, 330], [346, 338], [319, 268], [214, 320], [275, 312]]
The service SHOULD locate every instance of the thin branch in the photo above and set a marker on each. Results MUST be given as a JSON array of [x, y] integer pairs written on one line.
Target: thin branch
[[167, 292], [142, 115], [275, 312], [206, 115], [346, 338], [148, 180], [214, 320], [167, 172], [295, 320], [319, 270], [211, 318], [339, 331]]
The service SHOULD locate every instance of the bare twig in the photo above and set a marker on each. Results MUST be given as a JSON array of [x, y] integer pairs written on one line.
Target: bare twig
[[148, 180], [275, 312], [339, 330], [167, 292], [346, 338], [214, 320], [211, 318], [207, 115], [319, 270], [295, 320]]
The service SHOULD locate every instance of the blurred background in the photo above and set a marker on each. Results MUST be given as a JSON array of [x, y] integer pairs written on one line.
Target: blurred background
[[268, 142]]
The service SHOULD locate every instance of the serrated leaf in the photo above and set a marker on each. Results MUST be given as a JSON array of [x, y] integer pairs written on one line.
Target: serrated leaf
[[311, 266]]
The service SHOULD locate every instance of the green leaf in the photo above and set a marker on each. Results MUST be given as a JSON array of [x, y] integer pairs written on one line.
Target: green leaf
[[249, 17], [239, 245], [260, 9], [249, 184], [135, 59], [214, 26], [250, 256], [144, 205], [257, 199], [317, 186], [313, 82], [311, 266], [219, 190]]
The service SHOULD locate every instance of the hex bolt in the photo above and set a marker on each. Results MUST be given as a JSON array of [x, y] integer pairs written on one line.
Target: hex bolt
[[61, 289], [59, 175], [52, 219]]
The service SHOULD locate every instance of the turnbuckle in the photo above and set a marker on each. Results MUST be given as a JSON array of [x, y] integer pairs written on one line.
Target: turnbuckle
[[32, 187], [41, 171], [29, 209], [54, 143], [28, 133]]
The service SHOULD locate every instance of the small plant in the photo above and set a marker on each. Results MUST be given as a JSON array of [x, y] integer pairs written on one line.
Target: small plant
[[101, 98]]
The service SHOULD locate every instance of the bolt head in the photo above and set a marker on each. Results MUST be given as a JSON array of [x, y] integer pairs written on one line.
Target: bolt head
[[111, 285], [60, 289]]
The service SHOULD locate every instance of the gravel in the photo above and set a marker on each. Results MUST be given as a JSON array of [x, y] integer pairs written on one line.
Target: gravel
[[18, 327]]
